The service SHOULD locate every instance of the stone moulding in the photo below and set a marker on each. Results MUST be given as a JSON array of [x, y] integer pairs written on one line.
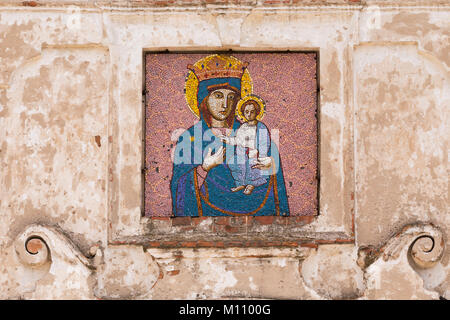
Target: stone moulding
[[40, 245], [336, 218]]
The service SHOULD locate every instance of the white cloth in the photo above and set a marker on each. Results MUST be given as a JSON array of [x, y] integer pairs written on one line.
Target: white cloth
[[245, 136]]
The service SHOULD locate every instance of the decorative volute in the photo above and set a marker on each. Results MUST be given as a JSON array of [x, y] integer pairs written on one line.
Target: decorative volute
[[39, 244]]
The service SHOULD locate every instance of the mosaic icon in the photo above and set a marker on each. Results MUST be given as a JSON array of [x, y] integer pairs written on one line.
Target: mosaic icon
[[228, 162]]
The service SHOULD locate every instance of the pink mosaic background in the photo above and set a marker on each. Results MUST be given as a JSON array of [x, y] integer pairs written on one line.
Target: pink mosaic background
[[287, 83]]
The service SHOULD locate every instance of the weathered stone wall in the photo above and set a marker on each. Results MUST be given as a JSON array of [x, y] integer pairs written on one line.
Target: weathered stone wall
[[71, 86]]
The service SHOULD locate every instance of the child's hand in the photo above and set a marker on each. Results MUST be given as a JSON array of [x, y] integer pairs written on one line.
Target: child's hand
[[224, 139]]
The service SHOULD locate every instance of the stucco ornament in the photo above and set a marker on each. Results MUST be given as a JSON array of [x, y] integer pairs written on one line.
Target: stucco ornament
[[395, 270], [424, 243], [33, 247], [48, 265]]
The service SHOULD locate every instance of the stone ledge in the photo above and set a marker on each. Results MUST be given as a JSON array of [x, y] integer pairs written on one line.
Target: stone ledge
[[178, 3]]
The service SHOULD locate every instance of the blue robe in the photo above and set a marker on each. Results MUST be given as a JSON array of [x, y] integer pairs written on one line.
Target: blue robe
[[214, 197]]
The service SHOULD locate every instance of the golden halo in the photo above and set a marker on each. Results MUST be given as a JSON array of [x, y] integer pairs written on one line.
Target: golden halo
[[191, 84], [251, 97]]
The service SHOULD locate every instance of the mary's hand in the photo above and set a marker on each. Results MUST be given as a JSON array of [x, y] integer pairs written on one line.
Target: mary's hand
[[213, 160], [264, 163]]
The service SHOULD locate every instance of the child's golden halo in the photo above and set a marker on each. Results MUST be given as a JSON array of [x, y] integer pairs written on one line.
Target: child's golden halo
[[251, 97]]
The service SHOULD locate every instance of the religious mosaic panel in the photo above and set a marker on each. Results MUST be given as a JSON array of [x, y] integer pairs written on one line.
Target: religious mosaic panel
[[231, 134]]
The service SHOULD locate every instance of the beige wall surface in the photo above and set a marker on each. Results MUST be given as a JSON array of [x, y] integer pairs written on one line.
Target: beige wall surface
[[71, 135]]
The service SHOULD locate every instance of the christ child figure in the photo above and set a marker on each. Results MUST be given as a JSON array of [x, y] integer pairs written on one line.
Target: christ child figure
[[252, 143]]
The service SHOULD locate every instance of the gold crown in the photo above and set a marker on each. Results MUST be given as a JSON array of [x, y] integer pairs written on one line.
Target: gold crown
[[218, 66]]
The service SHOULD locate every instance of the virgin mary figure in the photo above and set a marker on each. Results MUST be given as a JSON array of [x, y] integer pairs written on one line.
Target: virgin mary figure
[[202, 179]]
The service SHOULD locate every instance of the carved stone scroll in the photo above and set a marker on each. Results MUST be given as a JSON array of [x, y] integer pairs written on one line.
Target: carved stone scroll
[[425, 243], [39, 244]]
